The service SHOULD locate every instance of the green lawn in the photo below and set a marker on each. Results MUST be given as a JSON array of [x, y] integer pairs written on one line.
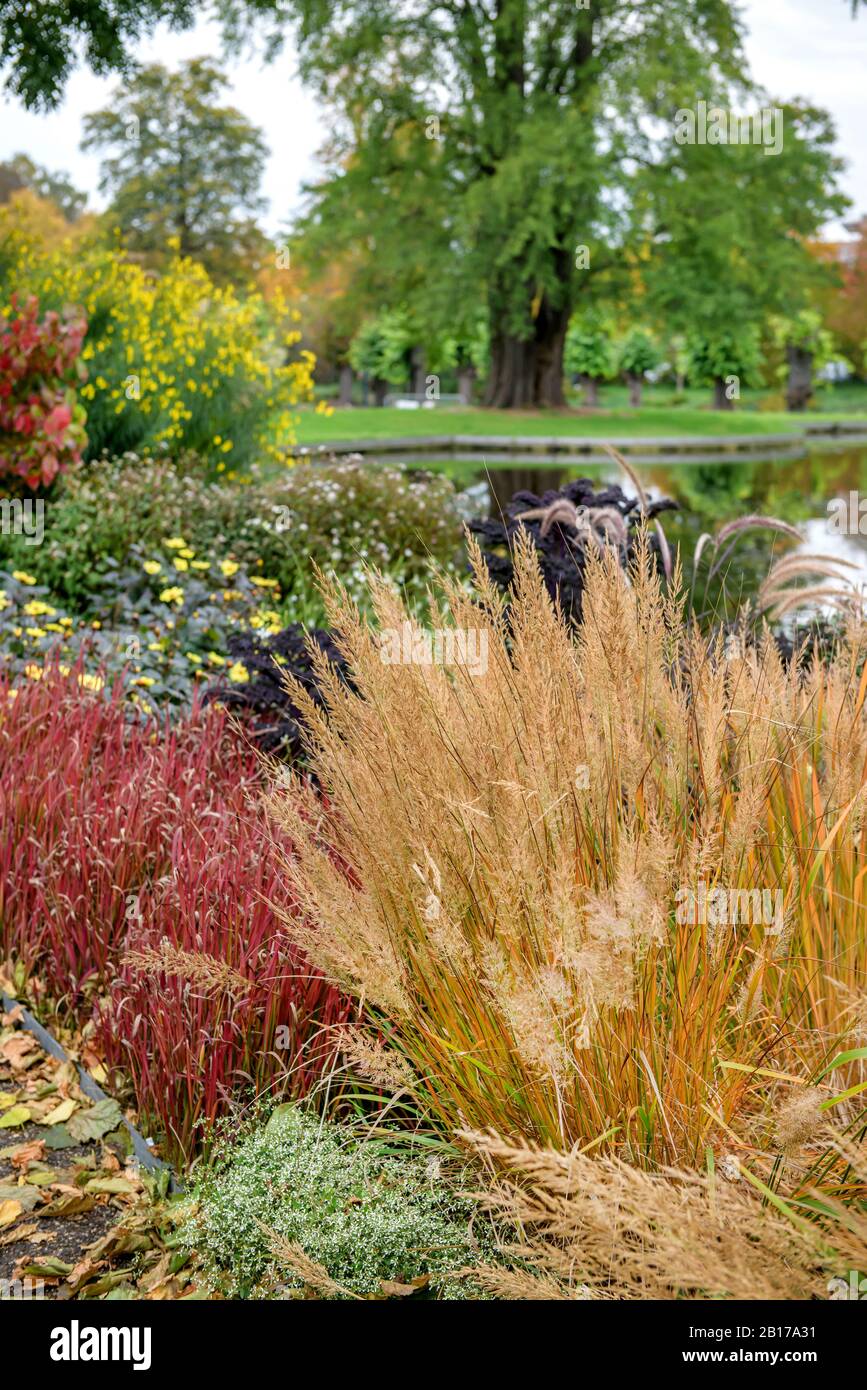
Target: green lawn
[[387, 422]]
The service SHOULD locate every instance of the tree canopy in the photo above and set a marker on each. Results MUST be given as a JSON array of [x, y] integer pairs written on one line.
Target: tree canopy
[[57, 187], [40, 44], [496, 158], [181, 165], [728, 235]]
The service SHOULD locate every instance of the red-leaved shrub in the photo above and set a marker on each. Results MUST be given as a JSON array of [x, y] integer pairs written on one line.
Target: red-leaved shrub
[[135, 877], [41, 426]]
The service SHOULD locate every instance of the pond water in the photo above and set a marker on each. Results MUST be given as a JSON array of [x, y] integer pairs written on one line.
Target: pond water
[[708, 493]]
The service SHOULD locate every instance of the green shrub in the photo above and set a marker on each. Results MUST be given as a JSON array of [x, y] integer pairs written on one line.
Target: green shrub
[[348, 514], [339, 515], [97, 513], [638, 353], [363, 1217]]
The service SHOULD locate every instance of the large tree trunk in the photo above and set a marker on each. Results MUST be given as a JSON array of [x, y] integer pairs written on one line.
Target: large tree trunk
[[721, 399], [799, 388], [529, 372], [344, 396], [418, 376], [380, 390], [634, 383], [589, 390], [466, 378]]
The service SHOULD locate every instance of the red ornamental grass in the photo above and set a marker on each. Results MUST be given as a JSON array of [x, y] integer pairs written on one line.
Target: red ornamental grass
[[135, 877], [213, 1000]]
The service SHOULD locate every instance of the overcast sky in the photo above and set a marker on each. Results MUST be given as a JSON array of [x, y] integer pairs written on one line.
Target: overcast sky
[[806, 48]]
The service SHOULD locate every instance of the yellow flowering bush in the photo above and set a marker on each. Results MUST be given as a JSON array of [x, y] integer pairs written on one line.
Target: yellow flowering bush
[[172, 358]]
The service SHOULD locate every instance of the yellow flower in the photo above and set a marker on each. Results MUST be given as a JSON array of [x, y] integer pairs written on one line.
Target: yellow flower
[[200, 564], [172, 595], [194, 658], [4, 600], [263, 583], [239, 673], [187, 553], [175, 543], [91, 682], [34, 673], [23, 577], [215, 659], [37, 609], [35, 631], [155, 646], [151, 567], [229, 567], [144, 680], [181, 565]]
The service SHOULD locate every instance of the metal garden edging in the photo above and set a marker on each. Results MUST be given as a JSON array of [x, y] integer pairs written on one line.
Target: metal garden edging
[[90, 1088]]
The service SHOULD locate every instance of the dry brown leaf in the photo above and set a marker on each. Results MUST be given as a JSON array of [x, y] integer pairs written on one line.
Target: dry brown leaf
[[19, 1233], [20, 1051], [34, 1152], [396, 1290]]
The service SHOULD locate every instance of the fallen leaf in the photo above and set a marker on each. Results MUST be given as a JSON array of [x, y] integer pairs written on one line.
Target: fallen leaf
[[9, 1212], [396, 1290], [114, 1280], [20, 1233], [94, 1123], [49, 1268], [70, 1206], [18, 1115], [58, 1137], [27, 1153], [156, 1276], [41, 1177], [83, 1270], [21, 1051], [60, 1113], [120, 1186], [29, 1197]]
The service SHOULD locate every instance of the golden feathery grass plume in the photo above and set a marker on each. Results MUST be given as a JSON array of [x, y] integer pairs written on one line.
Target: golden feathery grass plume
[[196, 966], [589, 1227], [295, 1258], [499, 865]]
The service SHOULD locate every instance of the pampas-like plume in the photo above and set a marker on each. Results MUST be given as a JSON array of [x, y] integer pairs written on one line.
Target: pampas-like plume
[[196, 966], [590, 1227], [308, 1270], [496, 868], [372, 1060]]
